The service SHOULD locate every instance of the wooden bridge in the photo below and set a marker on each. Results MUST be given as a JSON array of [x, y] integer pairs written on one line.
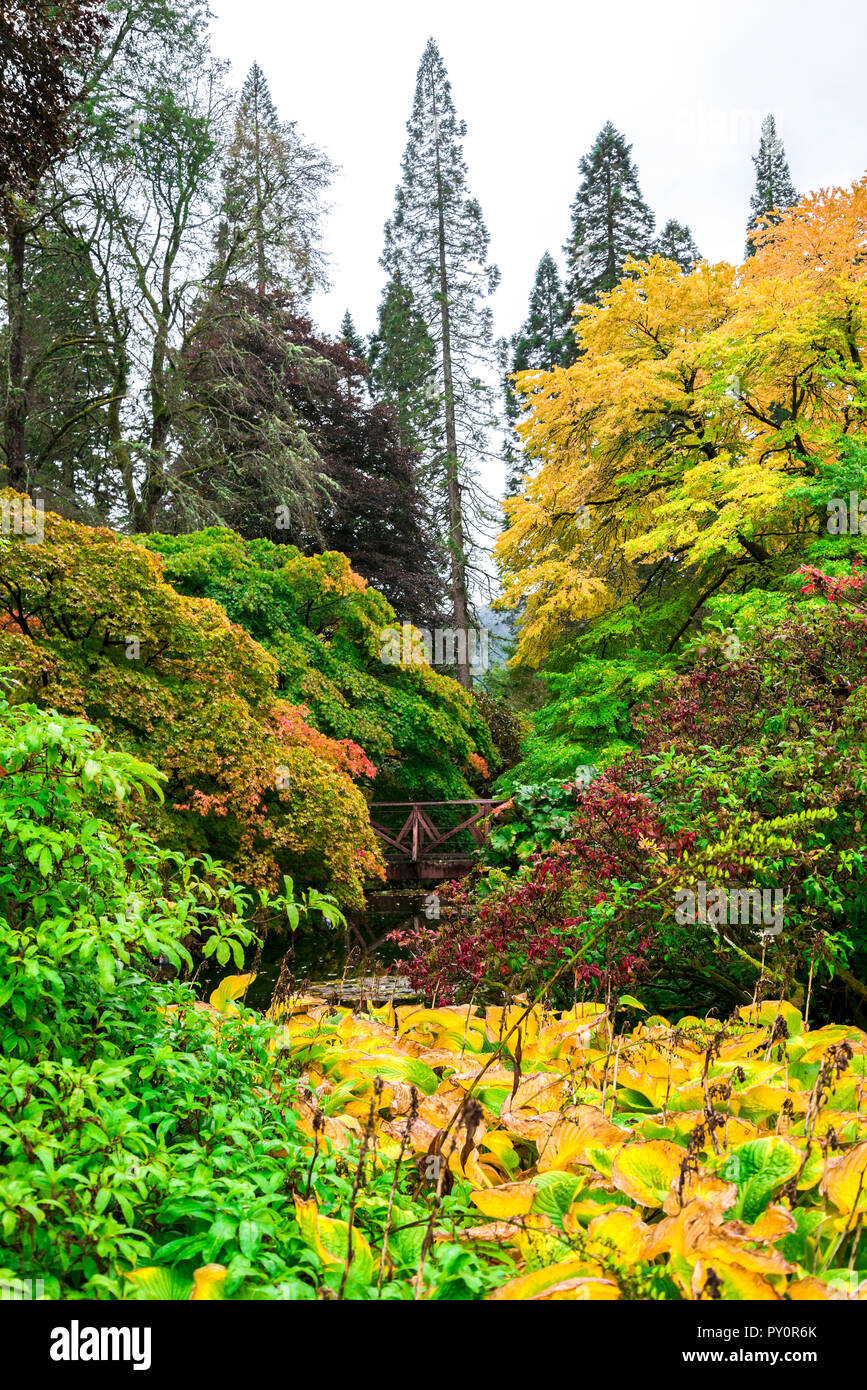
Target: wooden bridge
[[417, 849]]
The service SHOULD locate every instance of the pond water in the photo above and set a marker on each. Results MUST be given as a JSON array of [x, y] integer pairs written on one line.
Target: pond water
[[341, 967]]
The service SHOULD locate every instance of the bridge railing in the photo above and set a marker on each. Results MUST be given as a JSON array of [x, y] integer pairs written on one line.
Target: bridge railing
[[412, 835]]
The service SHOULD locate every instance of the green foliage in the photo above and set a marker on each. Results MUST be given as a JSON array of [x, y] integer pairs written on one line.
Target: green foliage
[[322, 625], [91, 627], [138, 1126]]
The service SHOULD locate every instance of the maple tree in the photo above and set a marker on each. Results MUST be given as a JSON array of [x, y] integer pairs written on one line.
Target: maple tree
[[323, 625], [673, 454], [91, 628]]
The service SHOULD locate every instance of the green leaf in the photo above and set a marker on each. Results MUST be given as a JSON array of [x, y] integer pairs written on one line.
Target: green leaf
[[249, 1237], [758, 1169]]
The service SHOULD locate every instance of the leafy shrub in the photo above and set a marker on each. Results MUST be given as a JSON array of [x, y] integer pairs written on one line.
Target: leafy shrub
[[322, 624], [750, 774], [91, 627]]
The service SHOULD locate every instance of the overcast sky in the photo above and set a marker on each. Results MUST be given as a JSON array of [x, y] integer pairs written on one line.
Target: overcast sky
[[687, 81]]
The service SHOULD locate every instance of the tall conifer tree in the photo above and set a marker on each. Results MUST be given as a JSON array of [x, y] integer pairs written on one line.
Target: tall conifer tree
[[676, 243], [543, 341], [774, 188], [404, 366], [273, 184], [610, 219], [352, 338], [437, 243]]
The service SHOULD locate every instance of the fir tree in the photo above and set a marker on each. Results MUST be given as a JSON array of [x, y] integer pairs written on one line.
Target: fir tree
[[676, 243], [403, 360], [437, 243], [774, 188], [543, 341], [352, 338], [610, 219], [272, 181]]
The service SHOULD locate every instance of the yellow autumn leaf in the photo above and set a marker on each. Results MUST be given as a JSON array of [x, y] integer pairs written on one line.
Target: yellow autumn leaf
[[233, 987], [330, 1239], [505, 1201], [646, 1171], [208, 1283], [527, 1286], [845, 1180]]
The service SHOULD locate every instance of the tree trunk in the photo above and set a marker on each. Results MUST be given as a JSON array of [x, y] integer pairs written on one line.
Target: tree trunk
[[460, 604], [15, 405]]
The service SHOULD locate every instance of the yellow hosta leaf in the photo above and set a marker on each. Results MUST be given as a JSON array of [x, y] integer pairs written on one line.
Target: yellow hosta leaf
[[845, 1180], [809, 1290], [330, 1239], [773, 1223], [208, 1283], [623, 1228], [735, 1282], [507, 1200], [499, 1022], [564, 1145], [583, 1290], [529, 1285], [227, 991], [452, 1029], [645, 1171], [769, 1010], [701, 1187], [501, 1146]]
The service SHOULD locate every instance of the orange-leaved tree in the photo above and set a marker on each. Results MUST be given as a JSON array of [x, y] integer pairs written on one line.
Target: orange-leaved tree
[[91, 627]]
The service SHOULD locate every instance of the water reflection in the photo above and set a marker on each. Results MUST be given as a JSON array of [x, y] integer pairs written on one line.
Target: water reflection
[[339, 967]]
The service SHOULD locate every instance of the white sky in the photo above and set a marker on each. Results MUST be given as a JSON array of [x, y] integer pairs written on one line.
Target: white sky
[[687, 81]]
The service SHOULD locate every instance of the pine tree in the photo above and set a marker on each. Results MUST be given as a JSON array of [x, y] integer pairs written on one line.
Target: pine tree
[[352, 338], [543, 341], [403, 360], [272, 182], [437, 243], [774, 188], [610, 219], [676, 243]]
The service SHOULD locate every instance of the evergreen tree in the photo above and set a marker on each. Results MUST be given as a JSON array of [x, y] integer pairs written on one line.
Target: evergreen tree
[[676, 243], [774, 188], [403, 360], [352, 338], [272, 186], [437, 243], [610, 219], [543, 341]]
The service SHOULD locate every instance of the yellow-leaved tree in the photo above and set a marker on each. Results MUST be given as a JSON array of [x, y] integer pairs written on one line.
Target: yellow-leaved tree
[[673, 459]]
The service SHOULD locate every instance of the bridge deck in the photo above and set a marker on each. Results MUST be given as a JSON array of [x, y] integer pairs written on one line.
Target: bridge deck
[[417, 849]]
